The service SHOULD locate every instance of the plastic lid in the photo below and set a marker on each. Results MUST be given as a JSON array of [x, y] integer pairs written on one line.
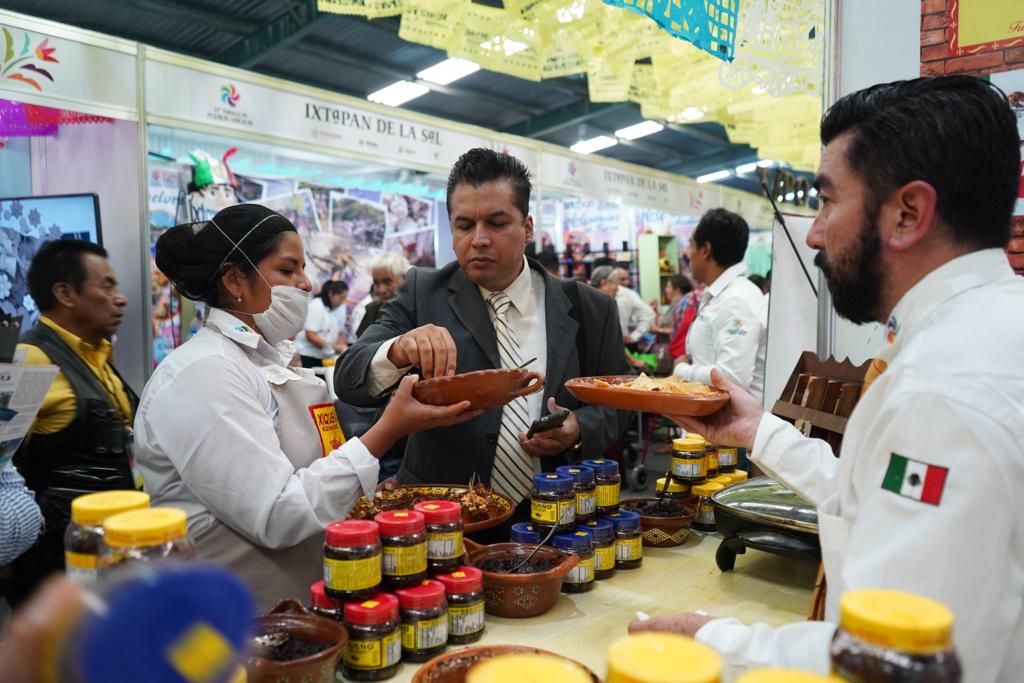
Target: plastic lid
[[149, 526], [523, 532], [689, 444], [662, 658], [721, 479], [380, 609], [553, 483], [319, 598], [734, 449], [428, 594], [673, 486], [624, 520], [400, 523], [897, 620], [171, 624], [577, 541], [439, 511], [603, 468], [583, 475], [93, 508], [353, 533], [738, 475], [707, 489], [527, 667], [462, 580], [785, 676], [602, 530]]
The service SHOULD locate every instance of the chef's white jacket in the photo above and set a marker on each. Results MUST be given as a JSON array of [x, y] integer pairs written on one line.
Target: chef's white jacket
[[729, 333], [326, 324], [952, 397], [206, 441], [635, 315]]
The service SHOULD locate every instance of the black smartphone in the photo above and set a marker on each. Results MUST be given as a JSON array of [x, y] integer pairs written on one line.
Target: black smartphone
[[550, 421]]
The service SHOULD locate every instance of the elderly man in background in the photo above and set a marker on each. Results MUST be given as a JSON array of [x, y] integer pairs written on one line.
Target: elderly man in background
[[635, 316], [388, 273]]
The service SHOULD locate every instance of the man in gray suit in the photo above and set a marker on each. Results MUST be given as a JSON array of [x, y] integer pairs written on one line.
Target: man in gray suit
[[493, 308]]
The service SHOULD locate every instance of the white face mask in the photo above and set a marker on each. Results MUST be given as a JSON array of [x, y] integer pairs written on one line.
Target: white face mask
[[286, 315]]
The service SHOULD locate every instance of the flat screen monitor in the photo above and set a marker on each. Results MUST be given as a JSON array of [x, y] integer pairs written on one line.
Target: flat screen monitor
[[25, 224]]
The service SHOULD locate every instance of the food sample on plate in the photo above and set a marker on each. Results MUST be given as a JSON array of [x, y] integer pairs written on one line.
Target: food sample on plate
[[477, 502], [668, 385]]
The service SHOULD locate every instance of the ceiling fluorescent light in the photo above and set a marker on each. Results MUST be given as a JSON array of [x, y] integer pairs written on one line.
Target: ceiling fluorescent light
[[691, 114], [639, 130], [712, 177], [746, 168], [593, 144], [765, 163], [398, 93], [449, 70]]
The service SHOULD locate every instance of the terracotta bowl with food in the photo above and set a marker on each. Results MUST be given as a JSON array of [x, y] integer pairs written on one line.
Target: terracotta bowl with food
[[664, 395], [484, 389], [528, 594], [293, 645], [664, 525], [452, 667]]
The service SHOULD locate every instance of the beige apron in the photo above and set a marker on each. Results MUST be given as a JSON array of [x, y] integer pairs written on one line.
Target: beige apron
[[302, 403]]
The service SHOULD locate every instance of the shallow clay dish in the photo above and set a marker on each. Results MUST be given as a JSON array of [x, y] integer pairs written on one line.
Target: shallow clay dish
[[483, 389], [452, 667], [663, 532], [291, 617], [521, 595], [584, 389]]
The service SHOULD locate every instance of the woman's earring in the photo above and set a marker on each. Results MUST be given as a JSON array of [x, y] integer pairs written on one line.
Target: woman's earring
[[239, 299]]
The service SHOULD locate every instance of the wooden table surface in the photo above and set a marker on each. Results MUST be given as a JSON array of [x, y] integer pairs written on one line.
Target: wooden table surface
[[763, 588]]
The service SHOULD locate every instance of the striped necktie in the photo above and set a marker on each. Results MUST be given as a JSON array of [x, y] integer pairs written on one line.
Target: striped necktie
[[512, 473]]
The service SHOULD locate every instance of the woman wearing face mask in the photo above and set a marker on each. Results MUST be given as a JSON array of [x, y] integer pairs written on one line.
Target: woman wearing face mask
[[249, 447]]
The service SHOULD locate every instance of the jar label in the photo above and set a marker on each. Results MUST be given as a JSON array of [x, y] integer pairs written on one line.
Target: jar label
[[464, 620], [581, 573], [713, 461], [586, 503], [605, 557], [444, 546], [560, 512], [726, 457], [694, 469], [374, 654], [707, 512], [607, 495], [627, 549], [352, 575], [402, 561], [426, 634], [81, 568]]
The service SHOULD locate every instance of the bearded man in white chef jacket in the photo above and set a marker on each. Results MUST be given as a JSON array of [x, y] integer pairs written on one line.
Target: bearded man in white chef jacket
[[917, 184]]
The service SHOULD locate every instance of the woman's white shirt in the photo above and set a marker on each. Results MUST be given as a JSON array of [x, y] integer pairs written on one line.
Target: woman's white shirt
[[323, 322], [206, 442]]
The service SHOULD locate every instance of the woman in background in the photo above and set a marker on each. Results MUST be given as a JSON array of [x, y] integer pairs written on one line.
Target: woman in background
[[323, 335]]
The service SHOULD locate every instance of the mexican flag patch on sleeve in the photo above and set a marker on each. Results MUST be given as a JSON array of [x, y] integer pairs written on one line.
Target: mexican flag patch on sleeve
[[915, 479]]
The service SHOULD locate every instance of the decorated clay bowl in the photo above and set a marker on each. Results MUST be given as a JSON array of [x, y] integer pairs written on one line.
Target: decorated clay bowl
[[483, 389], [521, 595], [663, 532], [452, 667], [289, 616]]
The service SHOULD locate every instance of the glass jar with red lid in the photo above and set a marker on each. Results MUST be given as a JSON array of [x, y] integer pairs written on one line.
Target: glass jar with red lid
[[352, 560], [465, 590], [374, 650], [424, 612], [323, 605], [403, 535], [444, 534]]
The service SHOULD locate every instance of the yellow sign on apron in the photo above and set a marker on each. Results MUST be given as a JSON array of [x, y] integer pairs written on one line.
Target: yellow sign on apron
[[325, 417]]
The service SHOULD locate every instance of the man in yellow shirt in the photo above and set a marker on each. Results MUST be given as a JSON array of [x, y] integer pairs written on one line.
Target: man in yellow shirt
[[81, 439]]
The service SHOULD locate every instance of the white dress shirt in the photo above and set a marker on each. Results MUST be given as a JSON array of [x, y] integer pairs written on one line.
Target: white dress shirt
[[206, 442], [729, 333], [635, 315], [325, 323], [951, 397]]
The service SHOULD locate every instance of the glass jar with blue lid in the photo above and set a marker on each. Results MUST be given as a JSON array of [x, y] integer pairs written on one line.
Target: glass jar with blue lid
[[629, 549], [585, 486], [579, 542], [603, 533], [608, 484], [553, 503], [523, 532]]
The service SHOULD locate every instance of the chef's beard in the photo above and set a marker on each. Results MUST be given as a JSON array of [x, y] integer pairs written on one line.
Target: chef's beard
[[855, 280]]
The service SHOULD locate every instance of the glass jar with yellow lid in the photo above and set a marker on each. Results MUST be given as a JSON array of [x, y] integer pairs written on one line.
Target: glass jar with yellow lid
[[662, 658], [785, 676], [705, 508], [736, 477], [527, 667], [728, 456], [689, 460], [720, 479], [885, 636], [84, 535], [676, 490], [145, 536]]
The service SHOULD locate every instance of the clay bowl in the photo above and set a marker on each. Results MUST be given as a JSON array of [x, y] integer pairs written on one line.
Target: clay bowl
[[587, 390], [663, 532], [452, 667], [521, 595], [483, 389], [291, 617]]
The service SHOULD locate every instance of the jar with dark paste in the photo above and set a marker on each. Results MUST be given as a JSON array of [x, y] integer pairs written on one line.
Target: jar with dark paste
[[609, 484], [603, 533], [146, 535], [352, 560], [711, 452], [84, 535], [705, 507], [629, 549], [403, 537], [523, 532], [580, 578], [585, 487], [444, 534], [374, 650], [323, 605], [465, 590], [728, 457], [689, 460], [676, 491], [552, 503], [887, 636], [424, 613]]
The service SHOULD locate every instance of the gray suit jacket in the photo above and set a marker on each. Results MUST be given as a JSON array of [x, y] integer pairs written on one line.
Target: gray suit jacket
[[447, 298]]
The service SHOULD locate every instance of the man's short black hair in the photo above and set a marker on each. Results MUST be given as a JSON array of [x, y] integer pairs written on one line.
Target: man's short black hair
[[604, 261], [956, 133], [480, 165], [58, 261], [728, 234]]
